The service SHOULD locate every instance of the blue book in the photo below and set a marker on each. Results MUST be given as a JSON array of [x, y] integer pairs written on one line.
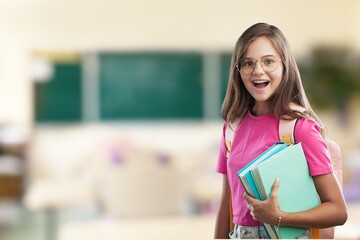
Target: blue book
[[249, 184], [244, 174]]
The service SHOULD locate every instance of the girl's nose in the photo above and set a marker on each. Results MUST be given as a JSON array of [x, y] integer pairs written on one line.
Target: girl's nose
[[258, 70]]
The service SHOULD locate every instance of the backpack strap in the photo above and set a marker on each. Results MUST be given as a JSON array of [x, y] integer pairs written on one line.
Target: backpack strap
[[230, 132], [287, 127], [286, 130]]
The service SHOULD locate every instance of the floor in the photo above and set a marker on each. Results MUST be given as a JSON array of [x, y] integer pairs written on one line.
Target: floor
[[16, 223], [21, 224]]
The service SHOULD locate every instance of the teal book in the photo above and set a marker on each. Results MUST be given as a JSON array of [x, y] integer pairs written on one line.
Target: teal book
[[297, 190], [244, 174]]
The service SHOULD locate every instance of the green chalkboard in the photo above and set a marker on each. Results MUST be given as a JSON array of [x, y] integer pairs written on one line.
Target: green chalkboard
[[59, 99], [150, 86]]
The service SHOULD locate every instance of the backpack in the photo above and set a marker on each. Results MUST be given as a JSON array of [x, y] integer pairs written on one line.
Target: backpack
[[286, 134]]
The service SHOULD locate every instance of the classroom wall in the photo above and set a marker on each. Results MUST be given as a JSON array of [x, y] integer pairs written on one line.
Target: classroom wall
[[357, 26], [87, 26]]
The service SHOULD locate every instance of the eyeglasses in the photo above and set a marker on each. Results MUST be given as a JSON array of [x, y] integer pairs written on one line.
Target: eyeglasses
[[246, 66]]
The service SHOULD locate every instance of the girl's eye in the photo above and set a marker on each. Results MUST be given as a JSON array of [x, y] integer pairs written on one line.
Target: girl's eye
[[269, 61], [247, 63]]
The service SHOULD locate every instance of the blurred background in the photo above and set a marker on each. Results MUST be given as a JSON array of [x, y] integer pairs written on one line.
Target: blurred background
[[110, 110]]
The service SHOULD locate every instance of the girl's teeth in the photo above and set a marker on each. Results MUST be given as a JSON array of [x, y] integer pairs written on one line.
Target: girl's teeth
[[260, 84]]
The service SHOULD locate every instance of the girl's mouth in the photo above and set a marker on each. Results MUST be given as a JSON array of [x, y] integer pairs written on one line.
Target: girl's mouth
[[260, 83]]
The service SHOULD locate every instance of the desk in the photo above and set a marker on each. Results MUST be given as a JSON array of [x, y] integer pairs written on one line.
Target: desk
[[53, 195]]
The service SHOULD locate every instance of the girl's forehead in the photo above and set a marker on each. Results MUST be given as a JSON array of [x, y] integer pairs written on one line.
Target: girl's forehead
[[260, 47]]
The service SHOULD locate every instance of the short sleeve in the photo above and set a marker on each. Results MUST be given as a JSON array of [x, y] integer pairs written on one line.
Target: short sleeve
[[316, 151], [221, 166]]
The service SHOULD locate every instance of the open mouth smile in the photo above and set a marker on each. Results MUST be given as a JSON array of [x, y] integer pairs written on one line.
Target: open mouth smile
[[260, 83]]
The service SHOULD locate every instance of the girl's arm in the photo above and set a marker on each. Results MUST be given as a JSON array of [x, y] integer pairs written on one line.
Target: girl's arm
[[331, 212], [222, 225]]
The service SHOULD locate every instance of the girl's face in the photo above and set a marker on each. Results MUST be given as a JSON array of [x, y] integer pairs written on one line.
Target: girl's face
[[260, 83]]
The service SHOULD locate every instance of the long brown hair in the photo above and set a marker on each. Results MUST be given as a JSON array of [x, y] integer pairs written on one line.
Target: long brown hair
[[238, 100]]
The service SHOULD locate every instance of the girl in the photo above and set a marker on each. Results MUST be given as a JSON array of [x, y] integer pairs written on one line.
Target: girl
[[263, 82]]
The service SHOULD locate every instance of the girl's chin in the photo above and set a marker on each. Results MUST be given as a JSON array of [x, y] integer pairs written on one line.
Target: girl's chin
[[262, 98]]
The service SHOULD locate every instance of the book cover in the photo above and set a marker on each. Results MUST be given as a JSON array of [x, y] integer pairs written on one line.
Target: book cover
[[244, 174], [297, 190]]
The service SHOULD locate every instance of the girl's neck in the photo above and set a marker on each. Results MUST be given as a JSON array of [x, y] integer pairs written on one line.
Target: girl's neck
[[260, 109]]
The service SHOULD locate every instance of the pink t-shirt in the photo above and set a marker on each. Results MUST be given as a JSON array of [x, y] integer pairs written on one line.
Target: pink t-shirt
[[254, 135]]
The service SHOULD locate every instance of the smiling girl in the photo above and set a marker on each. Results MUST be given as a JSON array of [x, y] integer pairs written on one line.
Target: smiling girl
[[264, 81]]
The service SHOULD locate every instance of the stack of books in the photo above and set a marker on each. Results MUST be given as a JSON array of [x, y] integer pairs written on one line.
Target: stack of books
[[297, 190]]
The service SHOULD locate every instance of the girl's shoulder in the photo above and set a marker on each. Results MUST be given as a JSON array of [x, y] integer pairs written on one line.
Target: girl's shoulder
[[306, 123], [307, 129]]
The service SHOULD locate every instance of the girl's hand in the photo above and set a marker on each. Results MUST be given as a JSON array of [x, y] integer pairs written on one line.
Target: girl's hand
[[267, 211]]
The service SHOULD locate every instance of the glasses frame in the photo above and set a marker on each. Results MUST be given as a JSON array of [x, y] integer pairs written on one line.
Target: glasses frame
[[255, 61]]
